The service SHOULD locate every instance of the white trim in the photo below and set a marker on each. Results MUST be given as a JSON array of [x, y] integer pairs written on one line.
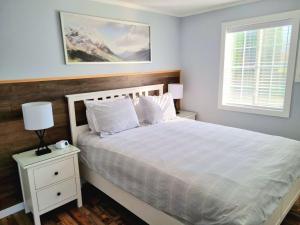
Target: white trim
[[196, 12], [294, 14], [294, 18], [134, 6], [255, 110], [134, 91], [218, 7], [11, 210], [62, 15]]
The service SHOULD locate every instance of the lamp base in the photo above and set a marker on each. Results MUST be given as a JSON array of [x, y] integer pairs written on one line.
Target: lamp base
[[42, 151], [176, 106], [43, 148]]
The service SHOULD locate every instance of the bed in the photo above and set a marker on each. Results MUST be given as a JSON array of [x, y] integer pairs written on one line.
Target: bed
[[190, 172]]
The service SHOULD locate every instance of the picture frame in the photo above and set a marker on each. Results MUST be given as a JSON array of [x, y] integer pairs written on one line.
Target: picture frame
[[97, 40]]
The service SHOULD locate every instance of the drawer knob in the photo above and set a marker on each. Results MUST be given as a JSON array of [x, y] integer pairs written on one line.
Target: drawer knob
[[58, 194], [56, 173]]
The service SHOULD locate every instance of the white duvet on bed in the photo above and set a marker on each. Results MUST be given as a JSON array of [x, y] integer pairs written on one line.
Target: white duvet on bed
[[200, 173]]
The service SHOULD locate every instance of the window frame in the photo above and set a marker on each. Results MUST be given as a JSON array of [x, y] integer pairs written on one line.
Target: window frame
[[294, 18]]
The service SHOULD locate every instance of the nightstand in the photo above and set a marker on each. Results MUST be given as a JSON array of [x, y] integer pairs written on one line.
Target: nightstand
[[50, 180], [187, 114]]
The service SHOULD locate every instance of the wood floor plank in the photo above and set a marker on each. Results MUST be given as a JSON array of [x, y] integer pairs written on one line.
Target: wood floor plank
[[296, 207], [80, 216], [22, 218], [93, 217], [3, 221], [51, 222], [291, 219], [65, 219], [100, 213], [11, 220]]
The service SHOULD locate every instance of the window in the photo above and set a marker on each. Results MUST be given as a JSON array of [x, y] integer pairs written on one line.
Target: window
[[258, 64]]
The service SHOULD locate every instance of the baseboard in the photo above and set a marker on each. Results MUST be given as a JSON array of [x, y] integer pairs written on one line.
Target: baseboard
[[11, 210]]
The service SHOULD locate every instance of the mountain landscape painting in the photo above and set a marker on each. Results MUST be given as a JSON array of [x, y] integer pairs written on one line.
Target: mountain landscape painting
[[89, 39]]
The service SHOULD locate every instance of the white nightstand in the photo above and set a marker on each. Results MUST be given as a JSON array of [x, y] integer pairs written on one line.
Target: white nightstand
[[50, 180], [187, 114]]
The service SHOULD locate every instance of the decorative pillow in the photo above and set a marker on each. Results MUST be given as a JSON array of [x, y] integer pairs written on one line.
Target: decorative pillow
[[157, 109], [109, 117]]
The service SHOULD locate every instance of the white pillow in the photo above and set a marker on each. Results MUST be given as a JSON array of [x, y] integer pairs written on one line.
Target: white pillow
[[157, 109], [88, 112], [90, 121], [109, 117], [138, 109]]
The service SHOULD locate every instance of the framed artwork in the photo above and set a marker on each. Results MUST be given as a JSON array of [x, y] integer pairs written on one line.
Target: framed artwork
[[93, 40]]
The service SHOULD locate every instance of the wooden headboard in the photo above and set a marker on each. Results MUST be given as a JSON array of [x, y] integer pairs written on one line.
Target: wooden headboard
[[13, 137]]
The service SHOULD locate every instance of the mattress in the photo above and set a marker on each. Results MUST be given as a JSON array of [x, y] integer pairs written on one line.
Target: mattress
[[200, 173]]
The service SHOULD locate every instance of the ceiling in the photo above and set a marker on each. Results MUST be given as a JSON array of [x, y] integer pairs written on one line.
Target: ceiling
[[179, 8]]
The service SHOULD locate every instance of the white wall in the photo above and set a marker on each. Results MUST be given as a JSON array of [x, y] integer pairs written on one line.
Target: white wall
[[200, 58], [31, 42]]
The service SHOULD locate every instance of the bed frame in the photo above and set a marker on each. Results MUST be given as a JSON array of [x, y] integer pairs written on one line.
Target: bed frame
[[143, 210]]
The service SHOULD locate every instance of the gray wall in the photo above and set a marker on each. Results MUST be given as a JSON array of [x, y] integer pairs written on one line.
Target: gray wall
[[200, 58], [31, 46], [31, 42]]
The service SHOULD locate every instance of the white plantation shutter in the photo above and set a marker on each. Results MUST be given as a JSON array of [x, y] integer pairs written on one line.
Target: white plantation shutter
[[256, 66]]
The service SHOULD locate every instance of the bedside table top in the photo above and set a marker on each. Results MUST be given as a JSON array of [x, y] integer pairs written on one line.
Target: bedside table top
[[183, 113], [29, 158]]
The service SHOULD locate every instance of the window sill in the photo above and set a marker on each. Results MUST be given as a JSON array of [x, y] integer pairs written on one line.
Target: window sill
[[259, 111]]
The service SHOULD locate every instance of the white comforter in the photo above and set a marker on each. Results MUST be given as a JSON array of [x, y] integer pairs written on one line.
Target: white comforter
[[200, 173]]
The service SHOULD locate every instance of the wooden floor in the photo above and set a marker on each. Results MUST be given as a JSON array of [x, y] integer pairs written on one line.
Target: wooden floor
[[99, 209]]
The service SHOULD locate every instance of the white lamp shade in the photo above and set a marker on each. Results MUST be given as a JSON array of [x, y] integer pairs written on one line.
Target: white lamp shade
[[176, 90], [37, 115]]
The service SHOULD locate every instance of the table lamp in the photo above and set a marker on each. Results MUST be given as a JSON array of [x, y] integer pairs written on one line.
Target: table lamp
[[38, 116], [177, 92]]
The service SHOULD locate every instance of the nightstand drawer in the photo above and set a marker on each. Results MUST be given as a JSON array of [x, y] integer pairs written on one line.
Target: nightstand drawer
[[56, 194], [54, 172]]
